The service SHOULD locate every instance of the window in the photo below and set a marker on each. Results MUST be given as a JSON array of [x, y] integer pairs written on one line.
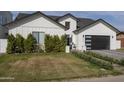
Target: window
[[67, 24], [39, 36]]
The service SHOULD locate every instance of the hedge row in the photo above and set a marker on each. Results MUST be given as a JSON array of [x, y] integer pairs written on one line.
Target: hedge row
[[20, 45], [99, 62], [97, 55], [112, 60]]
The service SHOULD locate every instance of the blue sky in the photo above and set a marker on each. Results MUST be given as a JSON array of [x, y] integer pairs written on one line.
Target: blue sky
[[115, 18]]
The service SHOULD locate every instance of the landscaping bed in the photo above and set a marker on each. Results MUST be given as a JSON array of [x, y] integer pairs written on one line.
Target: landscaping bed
[[106, 58], [48, 67], [94, 60]]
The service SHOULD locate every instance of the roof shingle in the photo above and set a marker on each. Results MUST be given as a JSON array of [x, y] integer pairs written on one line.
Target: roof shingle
[[80, 23]]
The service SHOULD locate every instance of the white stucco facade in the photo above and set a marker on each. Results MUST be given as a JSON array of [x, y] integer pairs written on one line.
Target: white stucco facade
[[73, 26], [40, 24]]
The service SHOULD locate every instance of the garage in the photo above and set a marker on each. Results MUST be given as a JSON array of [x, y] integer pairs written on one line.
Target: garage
[[97, 42]]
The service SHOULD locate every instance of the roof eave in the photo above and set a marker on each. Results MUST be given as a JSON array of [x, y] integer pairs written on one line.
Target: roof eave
[[99, 20], [34, 14]]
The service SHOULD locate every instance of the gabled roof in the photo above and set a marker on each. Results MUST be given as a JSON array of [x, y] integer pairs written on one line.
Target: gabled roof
[[67, 15], [94, 23], [54, 17], [30, 15], [80, 23], [84, 21]]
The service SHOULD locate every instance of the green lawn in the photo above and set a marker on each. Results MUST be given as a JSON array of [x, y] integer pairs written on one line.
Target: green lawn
[[47, 67]]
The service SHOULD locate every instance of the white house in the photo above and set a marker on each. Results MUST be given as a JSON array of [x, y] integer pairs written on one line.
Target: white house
[[83, 33]]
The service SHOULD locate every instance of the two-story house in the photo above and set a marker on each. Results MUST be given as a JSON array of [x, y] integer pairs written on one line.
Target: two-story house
[[82, 33]]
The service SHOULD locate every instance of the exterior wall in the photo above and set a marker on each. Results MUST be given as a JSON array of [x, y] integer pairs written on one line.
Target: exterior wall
[[98, 29], [38, 25], [3, 32], [121, 38], [3, 45], [73, 26], [5, 17]]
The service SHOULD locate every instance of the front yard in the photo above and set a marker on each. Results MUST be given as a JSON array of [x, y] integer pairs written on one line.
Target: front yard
[[47, 67]]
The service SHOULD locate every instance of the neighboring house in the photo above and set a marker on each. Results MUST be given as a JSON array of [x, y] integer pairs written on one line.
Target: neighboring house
[[120, 36], [5, 17], [82, 33]]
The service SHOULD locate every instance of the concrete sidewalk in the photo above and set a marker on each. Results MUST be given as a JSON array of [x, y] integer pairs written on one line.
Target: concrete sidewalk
[[102, 79]]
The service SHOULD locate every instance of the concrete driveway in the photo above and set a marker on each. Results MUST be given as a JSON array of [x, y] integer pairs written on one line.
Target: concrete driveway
[[110, 53]]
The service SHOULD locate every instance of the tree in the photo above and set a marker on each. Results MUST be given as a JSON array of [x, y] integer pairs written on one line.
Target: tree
[[19, 44], [29, 44], [11, 44]]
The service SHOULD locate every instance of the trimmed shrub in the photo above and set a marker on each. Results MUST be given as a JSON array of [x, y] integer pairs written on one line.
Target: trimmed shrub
[[49, 44], [121, 62], [54, 43], [19, 44], [63, 43], [30, 44], [11, 44], [99, 62], [57, 43]]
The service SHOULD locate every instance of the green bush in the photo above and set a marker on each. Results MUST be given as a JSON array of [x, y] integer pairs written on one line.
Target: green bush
[[49, 44], [57, 43], [19, 44], [99, 62], [54, 43], [30, 44], [63, 43], [121, 62], [11, 44]]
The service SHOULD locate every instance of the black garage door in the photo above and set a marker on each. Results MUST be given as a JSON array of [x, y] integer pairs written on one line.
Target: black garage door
[[97, 42]]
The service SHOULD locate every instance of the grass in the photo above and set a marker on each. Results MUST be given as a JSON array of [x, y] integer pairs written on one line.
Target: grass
[[47, 67]]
